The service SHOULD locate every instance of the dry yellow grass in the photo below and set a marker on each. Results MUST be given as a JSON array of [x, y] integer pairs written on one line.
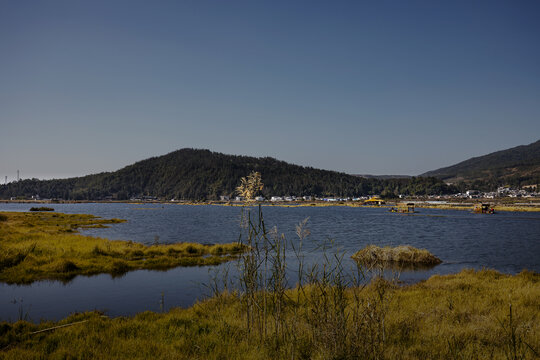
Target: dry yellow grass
[[461, 316], [399, 256], [37, 246]]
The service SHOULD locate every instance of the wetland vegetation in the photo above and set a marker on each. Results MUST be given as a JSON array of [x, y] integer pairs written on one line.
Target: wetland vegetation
[[37, 246], [391, 257], [469, 315], [328, 313]]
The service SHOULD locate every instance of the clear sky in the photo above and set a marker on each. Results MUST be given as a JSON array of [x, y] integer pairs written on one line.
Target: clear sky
[[371, 87]]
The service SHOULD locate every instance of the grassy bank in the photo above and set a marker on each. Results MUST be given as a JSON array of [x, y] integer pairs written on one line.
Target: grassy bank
[[470, 315], [37, 246]]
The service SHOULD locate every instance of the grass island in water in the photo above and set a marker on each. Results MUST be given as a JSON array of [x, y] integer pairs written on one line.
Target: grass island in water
[[37, 246], [400, 256]]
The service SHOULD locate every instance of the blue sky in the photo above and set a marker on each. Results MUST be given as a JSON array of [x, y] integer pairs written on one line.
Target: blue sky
[[380, 87]]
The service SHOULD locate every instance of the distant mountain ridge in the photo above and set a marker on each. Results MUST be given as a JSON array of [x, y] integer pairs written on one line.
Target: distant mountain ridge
[[516, 166], [195, 174]]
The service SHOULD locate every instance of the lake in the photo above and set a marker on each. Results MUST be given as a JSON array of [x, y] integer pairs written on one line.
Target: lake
[[508, 242]]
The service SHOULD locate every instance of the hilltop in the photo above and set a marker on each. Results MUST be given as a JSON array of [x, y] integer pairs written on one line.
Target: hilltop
[[205, 175], [516, 166]]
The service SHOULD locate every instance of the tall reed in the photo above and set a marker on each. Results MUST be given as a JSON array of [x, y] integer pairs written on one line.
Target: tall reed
[[327, 309]]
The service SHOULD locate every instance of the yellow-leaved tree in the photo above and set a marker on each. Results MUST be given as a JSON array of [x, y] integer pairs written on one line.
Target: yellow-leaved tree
[[250, 186]]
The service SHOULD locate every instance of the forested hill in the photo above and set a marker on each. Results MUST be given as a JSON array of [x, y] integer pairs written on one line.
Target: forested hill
[[516, 167], [202, 174]]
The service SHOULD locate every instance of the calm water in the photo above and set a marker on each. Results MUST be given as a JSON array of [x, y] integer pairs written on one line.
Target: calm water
[[508, 242]]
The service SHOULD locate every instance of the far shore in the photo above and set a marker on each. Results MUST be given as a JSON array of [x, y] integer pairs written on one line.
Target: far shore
[[500, 204]]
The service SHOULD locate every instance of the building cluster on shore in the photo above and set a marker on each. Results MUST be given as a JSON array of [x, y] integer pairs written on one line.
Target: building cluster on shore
[[502, 192], [297, 198]]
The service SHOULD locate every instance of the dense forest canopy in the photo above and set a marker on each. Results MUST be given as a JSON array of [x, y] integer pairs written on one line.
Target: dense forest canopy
[[204, 175]]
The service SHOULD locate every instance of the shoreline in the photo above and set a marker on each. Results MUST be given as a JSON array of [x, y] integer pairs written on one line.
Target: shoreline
[[506, 205]]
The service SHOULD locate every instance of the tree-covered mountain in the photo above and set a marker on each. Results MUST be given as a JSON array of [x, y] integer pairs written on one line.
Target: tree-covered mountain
[[201, 174], [517, 166]]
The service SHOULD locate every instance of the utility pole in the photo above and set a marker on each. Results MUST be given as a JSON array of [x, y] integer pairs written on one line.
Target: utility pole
[[5, 183], [18, 175]]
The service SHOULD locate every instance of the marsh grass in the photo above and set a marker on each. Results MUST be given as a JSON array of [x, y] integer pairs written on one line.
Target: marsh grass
[[330, 313], [403, 256], [517, 208], [461, 316], [328, 303], [37, 246]]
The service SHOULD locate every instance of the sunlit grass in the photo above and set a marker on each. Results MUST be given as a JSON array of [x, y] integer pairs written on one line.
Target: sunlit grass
[[403, 255], [461, 316], [37, 246], [328, 315], [527, 208]]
